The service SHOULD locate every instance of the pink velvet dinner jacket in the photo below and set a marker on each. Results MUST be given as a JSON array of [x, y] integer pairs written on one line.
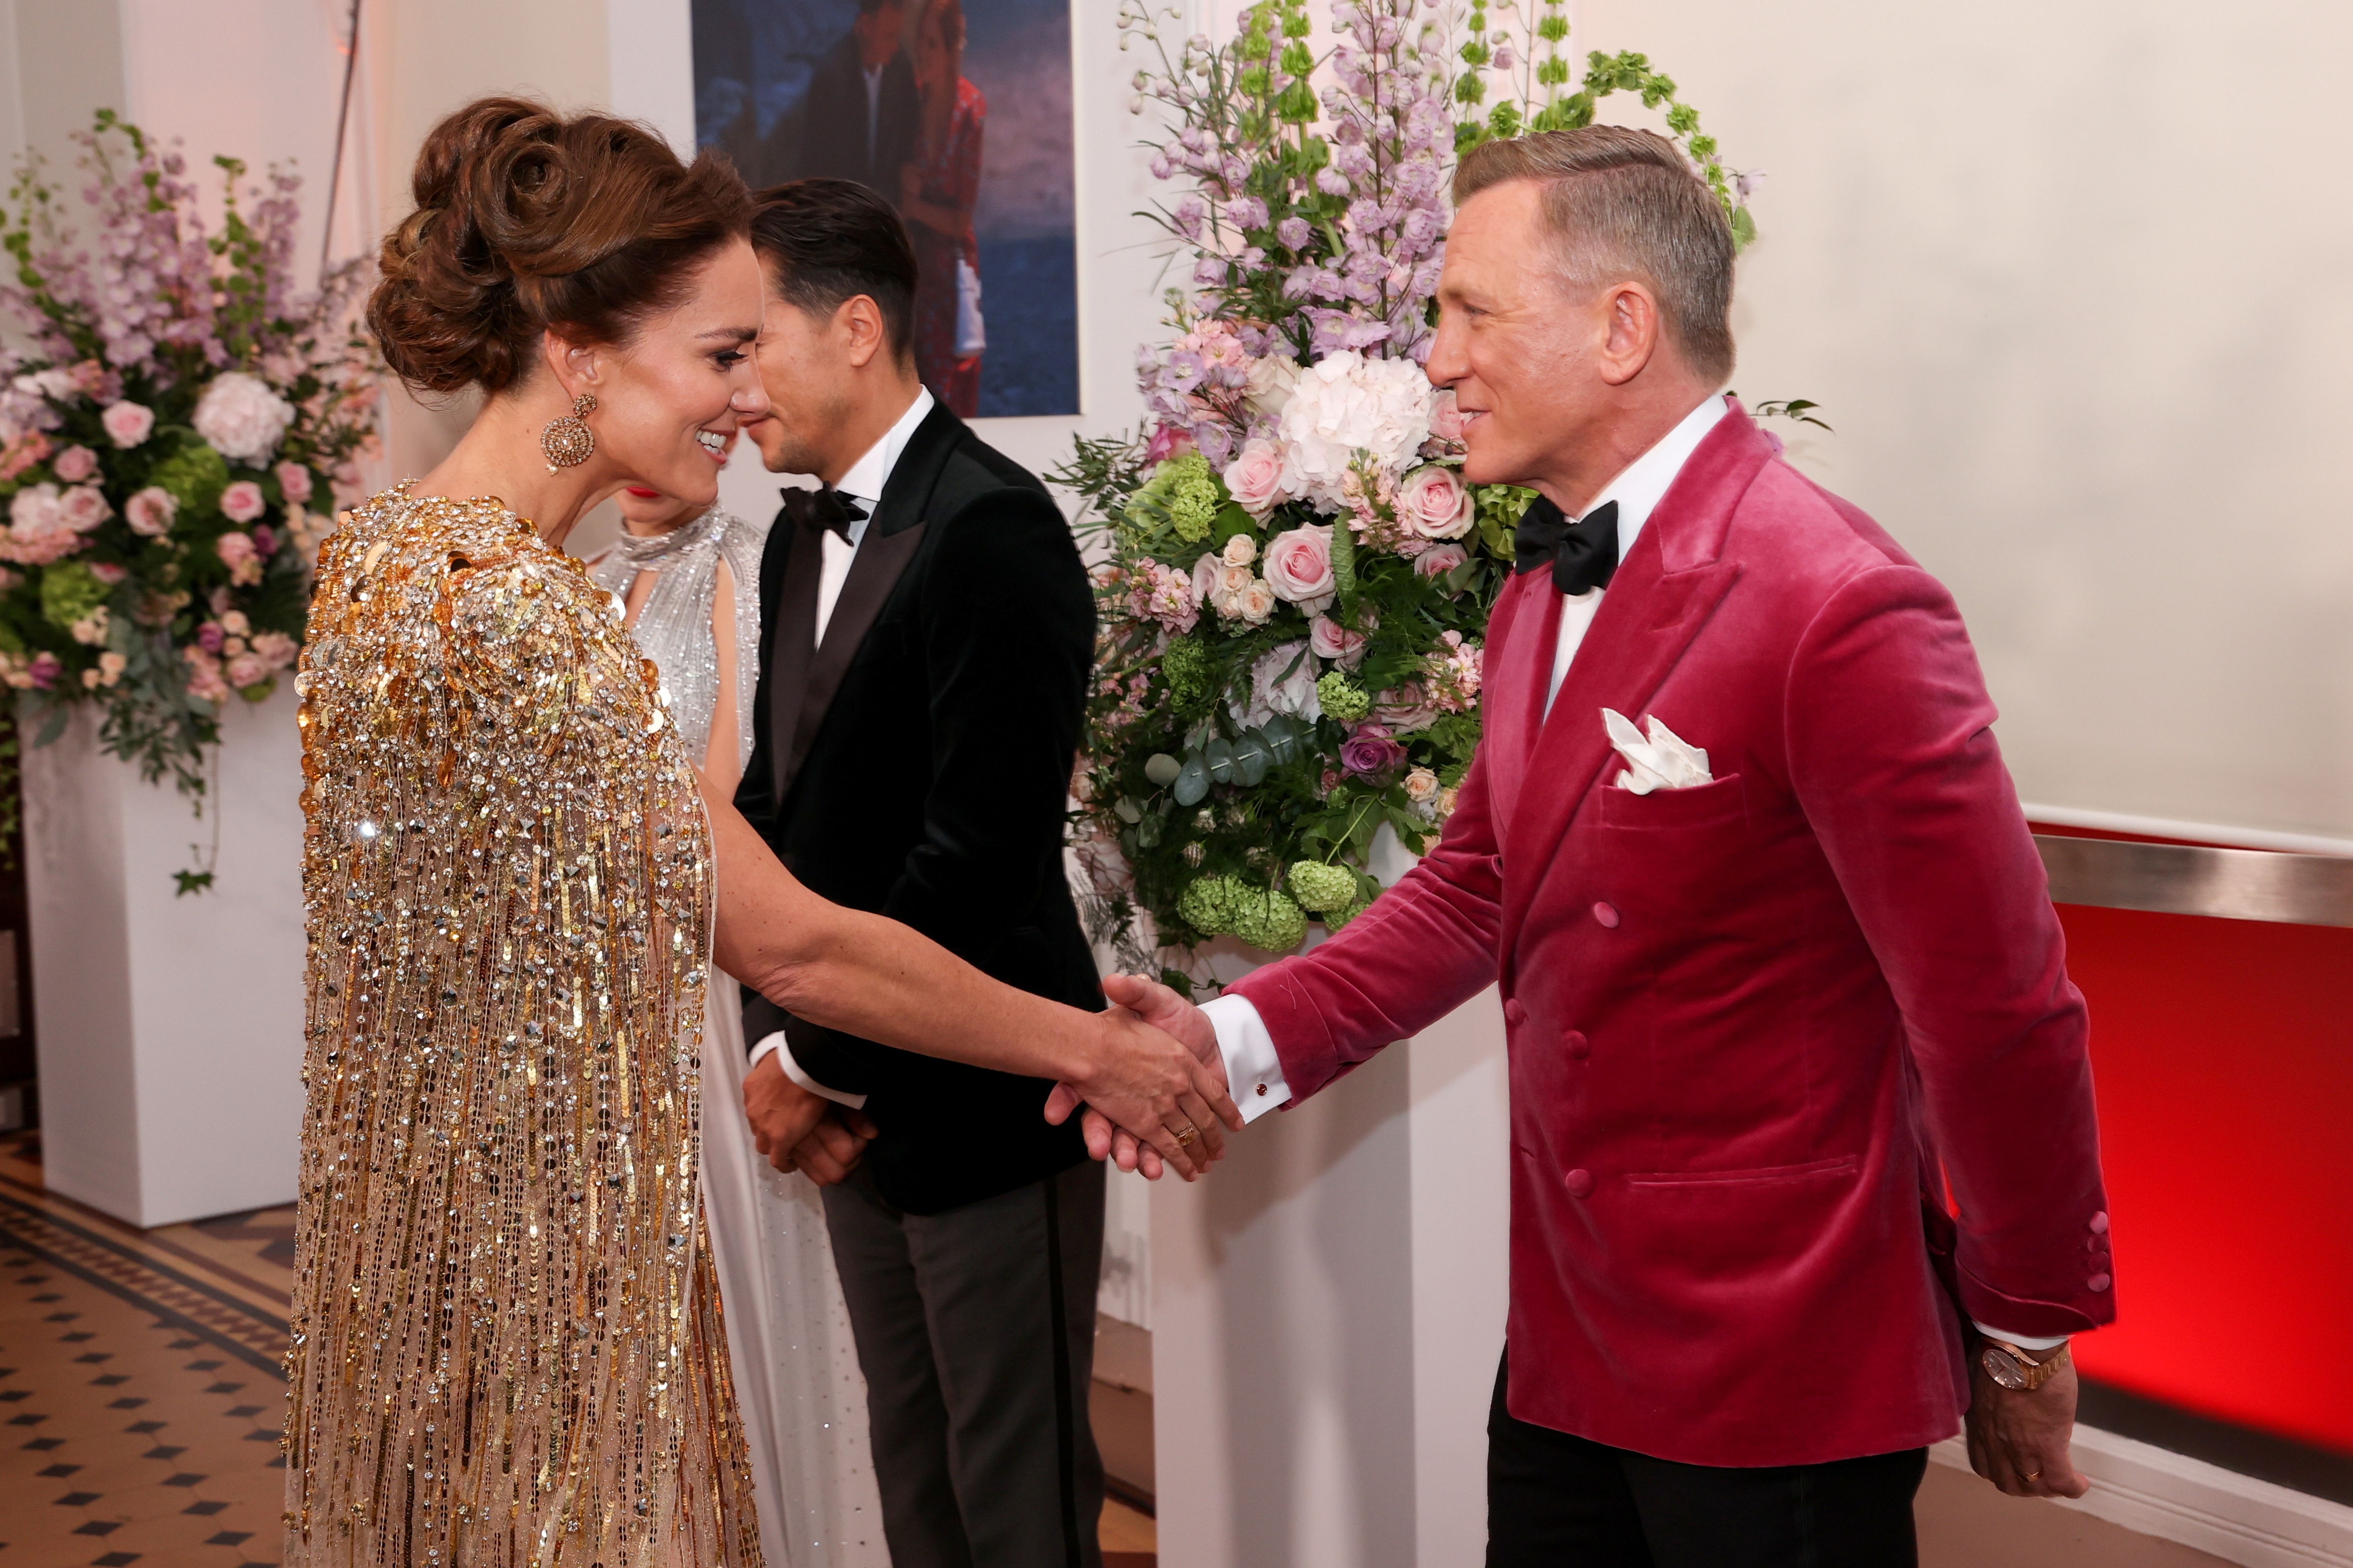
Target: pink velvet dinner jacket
[[1749, 1020]]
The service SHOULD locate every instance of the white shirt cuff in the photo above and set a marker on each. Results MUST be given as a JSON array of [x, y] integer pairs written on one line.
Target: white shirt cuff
[[2023, 1341], [1253, 1069], [783, 1054]]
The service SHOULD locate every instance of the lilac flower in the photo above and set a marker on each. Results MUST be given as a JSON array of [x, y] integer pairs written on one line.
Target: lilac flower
[[1292, 233], [1331, 182], [1247, 212]]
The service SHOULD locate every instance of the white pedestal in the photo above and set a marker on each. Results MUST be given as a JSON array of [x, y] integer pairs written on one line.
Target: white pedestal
[[1327, 1314], [171, 1028]]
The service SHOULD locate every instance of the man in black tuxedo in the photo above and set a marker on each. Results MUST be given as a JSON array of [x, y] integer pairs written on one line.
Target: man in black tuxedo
[[929, 633], [860, 118]]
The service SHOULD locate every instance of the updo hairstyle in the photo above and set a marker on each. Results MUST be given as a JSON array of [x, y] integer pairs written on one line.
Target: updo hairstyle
[[526, 220]]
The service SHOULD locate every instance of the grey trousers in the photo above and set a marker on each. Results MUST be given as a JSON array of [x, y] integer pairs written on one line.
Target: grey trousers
[[976, 1329]]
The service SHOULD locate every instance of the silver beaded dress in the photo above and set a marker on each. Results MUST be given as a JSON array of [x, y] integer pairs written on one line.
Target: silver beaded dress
[[803, 1399]]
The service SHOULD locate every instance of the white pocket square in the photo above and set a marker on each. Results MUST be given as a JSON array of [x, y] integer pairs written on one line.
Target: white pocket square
[[1664, 761]]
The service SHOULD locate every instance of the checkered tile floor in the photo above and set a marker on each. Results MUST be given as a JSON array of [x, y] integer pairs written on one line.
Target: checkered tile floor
[[141, 1389]]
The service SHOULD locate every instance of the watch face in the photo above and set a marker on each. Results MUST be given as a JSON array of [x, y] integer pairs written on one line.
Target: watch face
[[2003, 1368]]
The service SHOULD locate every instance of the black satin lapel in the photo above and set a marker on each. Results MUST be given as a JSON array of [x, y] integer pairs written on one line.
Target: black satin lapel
[[874, 570], [791, 651]]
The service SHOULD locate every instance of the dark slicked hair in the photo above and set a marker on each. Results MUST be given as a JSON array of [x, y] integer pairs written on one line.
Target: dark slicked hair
[[825, 241]]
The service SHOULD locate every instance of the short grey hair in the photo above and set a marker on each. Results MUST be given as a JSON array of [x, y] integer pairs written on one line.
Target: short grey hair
[[1624, 205]]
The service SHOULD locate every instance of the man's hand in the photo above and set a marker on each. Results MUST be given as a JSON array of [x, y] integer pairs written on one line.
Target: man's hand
[[835, 1146], [2019, 1440], [1152, 1087], [1165, 1010], [781, 1111]]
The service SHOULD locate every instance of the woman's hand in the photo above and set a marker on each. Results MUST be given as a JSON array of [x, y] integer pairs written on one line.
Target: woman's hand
[[1154, 1089]]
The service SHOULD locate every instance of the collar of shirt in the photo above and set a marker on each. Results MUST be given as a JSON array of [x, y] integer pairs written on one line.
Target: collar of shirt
[[866, 478], [1642, 483]]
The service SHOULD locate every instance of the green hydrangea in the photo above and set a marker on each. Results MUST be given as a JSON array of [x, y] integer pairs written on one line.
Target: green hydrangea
[[1319, 887], [1268, 920], [1189, 490], [193, 476], [1333, 919], [70, 592], [1209, 905], [1186, 663], [1342, 697]]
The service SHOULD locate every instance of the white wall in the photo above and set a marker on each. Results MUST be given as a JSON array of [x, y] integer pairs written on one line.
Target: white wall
[[2071, 279]]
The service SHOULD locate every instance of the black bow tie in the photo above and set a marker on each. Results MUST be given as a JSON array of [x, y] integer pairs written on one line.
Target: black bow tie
[[825, 509], [1584, 554]]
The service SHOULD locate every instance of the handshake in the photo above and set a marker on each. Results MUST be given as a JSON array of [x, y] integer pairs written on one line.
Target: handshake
[[1150, 1087]]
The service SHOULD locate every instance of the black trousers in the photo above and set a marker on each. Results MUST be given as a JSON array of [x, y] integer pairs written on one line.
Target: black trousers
[[976, 1329], [1558, 1501]]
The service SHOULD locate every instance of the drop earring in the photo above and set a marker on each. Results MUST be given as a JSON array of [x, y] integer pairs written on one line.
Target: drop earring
[[567, 441]]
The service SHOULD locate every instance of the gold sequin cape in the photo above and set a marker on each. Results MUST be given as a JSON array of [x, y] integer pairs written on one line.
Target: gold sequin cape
[[506, 1339]]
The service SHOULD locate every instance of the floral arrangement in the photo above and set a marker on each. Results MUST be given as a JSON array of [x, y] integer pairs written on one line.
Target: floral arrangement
[[1295, 580], [177, 412]]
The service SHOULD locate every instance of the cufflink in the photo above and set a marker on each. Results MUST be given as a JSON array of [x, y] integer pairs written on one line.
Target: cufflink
[[1262, 1088]]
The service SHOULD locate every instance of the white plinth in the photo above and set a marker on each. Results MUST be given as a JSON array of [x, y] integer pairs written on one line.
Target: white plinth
[[171, 1028], [1327, 1314]]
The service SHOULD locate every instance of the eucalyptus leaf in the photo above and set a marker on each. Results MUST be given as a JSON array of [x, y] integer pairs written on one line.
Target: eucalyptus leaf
[[1220, 759], [1162, 769], [1192, 785], [1127, 811], [1147, 832], [1251, 756], [1282, 737]]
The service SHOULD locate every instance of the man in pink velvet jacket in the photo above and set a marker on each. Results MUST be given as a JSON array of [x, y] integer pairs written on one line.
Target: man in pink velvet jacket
[[1777, 958]]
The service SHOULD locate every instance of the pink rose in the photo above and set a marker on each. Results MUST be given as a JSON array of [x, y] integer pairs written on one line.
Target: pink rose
[[247, 669], [1255, 477], [1256, 602], [45, 669], [1445, 419], [22, 453], [1439, 559], [1369, 753], [293, 482], [265, 541], [237, 552], [74, 464], [1205, 573], [205, 683], [1167, 441], [1329, 639], [1432, 504], [84, 507], [1405, 708], [150, 510], [276, 649], [242, 501], [127, 423], [210, 636], [1299, 567], [108, 573]]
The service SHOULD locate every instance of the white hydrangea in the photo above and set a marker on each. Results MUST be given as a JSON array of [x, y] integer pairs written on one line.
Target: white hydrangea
[[1345, 403], [242, 418]]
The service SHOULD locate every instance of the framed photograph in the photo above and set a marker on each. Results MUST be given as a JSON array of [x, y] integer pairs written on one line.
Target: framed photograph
[[959, 111]]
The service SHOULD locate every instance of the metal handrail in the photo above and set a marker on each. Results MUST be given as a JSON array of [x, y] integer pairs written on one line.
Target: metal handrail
[[2193, 879]]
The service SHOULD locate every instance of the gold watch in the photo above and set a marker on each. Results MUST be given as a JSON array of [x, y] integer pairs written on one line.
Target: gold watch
[[2016, 1368]]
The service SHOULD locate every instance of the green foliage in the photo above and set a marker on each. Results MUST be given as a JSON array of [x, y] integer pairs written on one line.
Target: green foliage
[[194, 477], [70, 592], [1342, 697]]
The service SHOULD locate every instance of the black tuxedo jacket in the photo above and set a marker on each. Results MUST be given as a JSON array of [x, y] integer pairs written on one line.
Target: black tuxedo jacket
[[918, 765], [831, 125]]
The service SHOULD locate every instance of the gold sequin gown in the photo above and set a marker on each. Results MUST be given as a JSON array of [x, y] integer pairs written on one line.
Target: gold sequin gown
[[507, 1350]]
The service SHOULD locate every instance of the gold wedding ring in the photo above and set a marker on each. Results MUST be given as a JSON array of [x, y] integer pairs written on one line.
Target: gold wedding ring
[[1186, 1134]]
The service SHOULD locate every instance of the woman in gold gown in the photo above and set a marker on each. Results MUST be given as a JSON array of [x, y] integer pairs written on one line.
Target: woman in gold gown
[[506, 1343]]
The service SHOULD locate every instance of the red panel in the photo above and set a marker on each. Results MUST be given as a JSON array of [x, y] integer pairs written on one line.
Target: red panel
[[2223, 1055]]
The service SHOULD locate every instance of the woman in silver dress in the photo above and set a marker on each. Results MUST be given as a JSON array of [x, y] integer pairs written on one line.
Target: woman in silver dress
[[688, 576]]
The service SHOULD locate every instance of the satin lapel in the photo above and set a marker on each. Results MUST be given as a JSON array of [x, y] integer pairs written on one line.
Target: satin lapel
[[790, 647], [883, 552], [1661, 599]]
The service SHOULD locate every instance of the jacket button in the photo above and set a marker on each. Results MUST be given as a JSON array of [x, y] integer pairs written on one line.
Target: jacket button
[[1514, 1012], [1607, 914], [1577, 1047], [2098, 1282], [1579, 1184], [2100, 1223]]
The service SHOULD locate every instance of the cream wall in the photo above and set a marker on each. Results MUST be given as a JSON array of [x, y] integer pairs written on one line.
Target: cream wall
[[2072, 282]]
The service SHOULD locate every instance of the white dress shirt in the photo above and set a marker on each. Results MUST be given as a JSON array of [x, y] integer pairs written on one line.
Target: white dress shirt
[[863, 484], [1253, 1069]]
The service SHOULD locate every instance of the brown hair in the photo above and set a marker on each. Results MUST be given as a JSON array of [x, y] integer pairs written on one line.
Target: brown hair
[[526, 220], [825, 241], [1624, 204]]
